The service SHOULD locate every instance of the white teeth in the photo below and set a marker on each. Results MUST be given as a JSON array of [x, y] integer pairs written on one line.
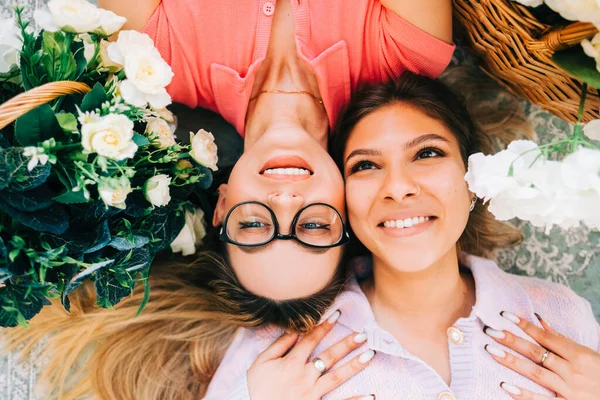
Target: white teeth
[[406, 223], [287, 171]]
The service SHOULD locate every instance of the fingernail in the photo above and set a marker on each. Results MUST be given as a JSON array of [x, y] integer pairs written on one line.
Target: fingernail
[[334, 317], [494, 333], [510, 388], [538, 317], [360, 338], [366, 356], [495, 351], [369, 397], [510, 316]]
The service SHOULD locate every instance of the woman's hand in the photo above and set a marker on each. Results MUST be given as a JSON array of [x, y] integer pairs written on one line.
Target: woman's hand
[[284, 370], [559, 364]]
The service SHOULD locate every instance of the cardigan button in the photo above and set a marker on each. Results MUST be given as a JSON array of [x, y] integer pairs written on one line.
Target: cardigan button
[[455, 335], [269, 8], [446, 396]]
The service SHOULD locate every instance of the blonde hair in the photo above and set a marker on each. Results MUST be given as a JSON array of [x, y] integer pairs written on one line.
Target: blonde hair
[[172, 349]]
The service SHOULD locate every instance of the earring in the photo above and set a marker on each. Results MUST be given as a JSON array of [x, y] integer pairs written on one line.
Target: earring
[[473, 202]]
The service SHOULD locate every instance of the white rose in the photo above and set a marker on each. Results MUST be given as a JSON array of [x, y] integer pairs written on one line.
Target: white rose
[[191, 234], [204, 149], [165, 114], [114, 191], [77, 16], [592, 49], [11, 44], [581, 170], [577, 10], [592, 129], [156, 190], [147, 73], [161, 134], [106, 63], [530, 3], [109, 136]]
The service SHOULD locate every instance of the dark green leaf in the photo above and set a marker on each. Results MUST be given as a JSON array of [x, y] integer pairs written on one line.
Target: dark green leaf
[[126, 243], [71, 197], [132, 261], [137, 205], [50, 220], [579, 65], [82, 276], [5, 169], [20, 266], [36, 126], [3, 253], [206, 178], [20, 179], [78, 50], [30, 200], [17, 308], [162, 226], [140, 140], [94, 99], [109, 290], [103, 238], [92, 214]]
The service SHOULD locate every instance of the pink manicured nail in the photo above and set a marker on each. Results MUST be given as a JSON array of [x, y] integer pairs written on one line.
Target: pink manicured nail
[[510, 388], [366, 356], [494, 333], [511, 317], [495, 351]]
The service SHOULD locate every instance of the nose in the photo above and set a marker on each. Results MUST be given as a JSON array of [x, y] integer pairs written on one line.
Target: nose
[[399, 185], [285, 205]]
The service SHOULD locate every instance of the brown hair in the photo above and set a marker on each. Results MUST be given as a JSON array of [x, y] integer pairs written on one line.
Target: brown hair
[[173, 348], [483, 233]]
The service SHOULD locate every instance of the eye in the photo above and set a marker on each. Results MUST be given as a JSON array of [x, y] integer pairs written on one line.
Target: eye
[[363, 165], [251, 225], [315, 225], [429, 152]]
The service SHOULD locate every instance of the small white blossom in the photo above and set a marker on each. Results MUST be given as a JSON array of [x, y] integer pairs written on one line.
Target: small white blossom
[[161, 133], [156, 190], [77, 16], [577, 10], [37, 155], [592, 129], [114, 191], [147, 73], [191, 235], [204, 149], [11, 44], [530, 3], [110, 136]]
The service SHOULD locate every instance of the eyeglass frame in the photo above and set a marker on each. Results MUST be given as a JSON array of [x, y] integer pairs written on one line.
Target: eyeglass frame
[[224, 236]]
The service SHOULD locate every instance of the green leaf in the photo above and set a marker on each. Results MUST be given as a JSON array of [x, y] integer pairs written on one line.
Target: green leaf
[[68, 122], [109, 290], [579, 65], [94, 99], [36, 126], [30, 200], [71, 197], [126, 243], [132, 261], [140, 140], [78, 50], [5, 169], [19, 178], [82, 276], [19, 304], [162, 226], [58, 61], [50, 220]]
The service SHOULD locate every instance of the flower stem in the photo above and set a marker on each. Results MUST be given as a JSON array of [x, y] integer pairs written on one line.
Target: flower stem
[[578, 131]]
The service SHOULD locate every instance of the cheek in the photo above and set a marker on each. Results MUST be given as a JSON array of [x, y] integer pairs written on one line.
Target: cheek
[[450, 188]]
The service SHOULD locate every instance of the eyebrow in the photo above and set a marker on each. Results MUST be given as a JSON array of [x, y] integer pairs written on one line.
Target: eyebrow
[[257, 249], [408, 145]]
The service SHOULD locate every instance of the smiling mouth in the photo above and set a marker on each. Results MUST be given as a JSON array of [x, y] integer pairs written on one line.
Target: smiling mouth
[[406, 223], [287, 167]]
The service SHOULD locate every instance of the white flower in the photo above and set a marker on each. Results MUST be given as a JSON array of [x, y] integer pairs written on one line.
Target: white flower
[[37, 155], [592, 129], [11, 44], [530, 3], [581, 170], [592, 49], [577, 10], [109, 136], [204, 149], [147, 73], [106, 62], [191, 234], [87, 117], [114, 191], [156, 190], [160, 132], [165, 114], [77, 16]]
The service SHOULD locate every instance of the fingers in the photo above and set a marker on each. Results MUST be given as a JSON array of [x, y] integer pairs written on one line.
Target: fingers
[[528, 369], [307, 345], [368, 397], [339, 375], [279, 347], [335, 353], [548, 339], [530, 350], [522, 394]]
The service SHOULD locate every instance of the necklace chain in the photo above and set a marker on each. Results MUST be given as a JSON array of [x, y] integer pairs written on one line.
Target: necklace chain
[[319, 100]]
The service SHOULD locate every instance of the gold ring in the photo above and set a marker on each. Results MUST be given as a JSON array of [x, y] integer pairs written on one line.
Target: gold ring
[[544, 357]]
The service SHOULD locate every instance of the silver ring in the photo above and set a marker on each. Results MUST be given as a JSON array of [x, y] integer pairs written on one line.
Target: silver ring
[[319, 365], [544, 357]]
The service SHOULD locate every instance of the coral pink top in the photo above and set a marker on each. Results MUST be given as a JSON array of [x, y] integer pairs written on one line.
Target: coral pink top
[[216, 46]]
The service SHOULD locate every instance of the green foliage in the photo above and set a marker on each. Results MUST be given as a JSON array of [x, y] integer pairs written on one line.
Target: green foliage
[[578, 64]]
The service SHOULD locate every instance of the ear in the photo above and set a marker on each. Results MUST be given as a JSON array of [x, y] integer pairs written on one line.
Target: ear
[[220, 210]]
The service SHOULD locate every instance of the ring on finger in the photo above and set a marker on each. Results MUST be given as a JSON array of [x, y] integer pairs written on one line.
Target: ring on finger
[[319, 365], [544, 357]]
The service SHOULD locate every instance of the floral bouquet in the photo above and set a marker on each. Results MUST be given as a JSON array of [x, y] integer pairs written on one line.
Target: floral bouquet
[[93, 183]]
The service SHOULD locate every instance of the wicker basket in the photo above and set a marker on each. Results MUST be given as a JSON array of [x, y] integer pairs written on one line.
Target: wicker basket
[[25, 102], [517, 49]]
